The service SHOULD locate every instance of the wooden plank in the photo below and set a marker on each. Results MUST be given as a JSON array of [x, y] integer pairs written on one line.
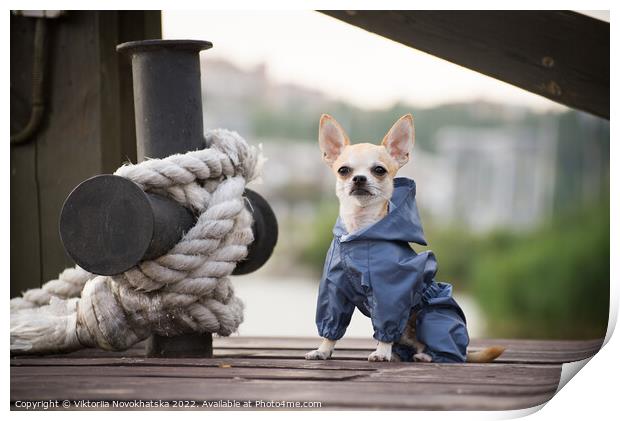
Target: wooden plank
[[117, 111], [25, 256], [271, 353], [413, 386], [297, 363], [25, 249], [561, 55], [509, 356], [518, 351], [339, 354], [239, 342], [222, 371], [496, 374], [507, 375], [518, 373], [70, 145], [357, 395], [133, 25]]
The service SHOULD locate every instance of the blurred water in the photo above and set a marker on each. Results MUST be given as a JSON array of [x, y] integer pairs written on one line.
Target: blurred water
[[286, 307]]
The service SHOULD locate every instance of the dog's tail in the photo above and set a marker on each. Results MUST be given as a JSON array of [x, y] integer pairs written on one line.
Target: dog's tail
[[486, 355]]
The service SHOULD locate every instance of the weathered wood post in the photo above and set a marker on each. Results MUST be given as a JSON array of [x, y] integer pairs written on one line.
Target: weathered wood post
[[108, 224]]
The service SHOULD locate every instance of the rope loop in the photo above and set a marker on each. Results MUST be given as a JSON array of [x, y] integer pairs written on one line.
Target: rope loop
[[185, 291]]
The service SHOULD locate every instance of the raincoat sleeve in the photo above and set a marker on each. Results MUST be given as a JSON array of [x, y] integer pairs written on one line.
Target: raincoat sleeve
[[334, 304], [333, 311]]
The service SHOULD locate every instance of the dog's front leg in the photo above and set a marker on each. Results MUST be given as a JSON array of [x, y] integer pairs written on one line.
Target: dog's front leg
[[323, 352], [382, 353]]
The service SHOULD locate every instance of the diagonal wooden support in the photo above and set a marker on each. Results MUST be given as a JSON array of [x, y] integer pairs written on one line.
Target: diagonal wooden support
[[561, 55]]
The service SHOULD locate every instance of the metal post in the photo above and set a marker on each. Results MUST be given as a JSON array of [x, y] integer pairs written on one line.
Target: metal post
[[108, 224], [168, 107], [167, 95]]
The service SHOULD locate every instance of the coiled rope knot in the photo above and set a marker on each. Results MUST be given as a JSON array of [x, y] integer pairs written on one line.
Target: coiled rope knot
[[185, 291]]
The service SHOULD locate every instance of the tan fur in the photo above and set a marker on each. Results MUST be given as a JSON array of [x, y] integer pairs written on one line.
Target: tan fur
[[409, 337], [486, 355], [358, 212]]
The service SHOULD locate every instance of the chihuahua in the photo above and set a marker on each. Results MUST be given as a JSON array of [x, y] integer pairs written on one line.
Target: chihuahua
[[370, 265]]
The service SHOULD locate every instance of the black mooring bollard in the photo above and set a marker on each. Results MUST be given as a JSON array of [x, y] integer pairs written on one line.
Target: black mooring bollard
[[108, 224]]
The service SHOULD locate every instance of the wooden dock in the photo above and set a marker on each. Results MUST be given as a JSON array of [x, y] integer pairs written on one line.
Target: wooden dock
[[273, 372]]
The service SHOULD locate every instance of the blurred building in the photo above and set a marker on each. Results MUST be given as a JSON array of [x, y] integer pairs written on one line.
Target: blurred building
[[232, 96], [486, 177]]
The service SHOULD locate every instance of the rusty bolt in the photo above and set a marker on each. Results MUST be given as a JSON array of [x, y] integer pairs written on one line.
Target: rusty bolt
[[553, 88], [548, 61]]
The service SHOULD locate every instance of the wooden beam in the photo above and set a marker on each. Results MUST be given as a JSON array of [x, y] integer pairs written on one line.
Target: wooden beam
[[561, 55]]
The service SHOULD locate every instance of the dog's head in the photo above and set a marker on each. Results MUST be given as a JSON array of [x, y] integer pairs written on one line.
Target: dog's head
[[365, 172]]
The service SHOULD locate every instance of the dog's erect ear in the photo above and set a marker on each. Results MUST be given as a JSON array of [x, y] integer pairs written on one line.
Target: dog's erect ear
[[399, 140], [332, 138]]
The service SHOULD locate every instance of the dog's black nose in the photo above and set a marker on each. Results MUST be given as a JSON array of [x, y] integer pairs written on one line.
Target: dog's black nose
[[359, 179]]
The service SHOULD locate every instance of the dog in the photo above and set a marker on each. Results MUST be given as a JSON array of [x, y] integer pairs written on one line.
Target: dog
[[370, 264]]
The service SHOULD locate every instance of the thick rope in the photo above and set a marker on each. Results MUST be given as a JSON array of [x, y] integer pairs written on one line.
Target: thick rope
[[185, 291]]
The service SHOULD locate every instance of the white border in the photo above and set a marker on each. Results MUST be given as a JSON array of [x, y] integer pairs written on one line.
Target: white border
[[593, 392]]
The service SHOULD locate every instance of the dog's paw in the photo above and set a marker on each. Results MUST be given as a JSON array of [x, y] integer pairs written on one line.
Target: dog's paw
[[379, 356], [317, 355], [422, 357]]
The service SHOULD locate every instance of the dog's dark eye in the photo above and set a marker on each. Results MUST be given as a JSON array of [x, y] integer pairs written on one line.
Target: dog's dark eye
[[344, 170], [379, 170]]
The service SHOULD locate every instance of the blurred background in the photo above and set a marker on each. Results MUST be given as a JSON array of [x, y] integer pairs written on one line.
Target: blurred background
[[513, 188]]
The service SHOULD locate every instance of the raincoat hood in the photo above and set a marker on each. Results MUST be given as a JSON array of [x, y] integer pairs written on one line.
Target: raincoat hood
[[402, 222]]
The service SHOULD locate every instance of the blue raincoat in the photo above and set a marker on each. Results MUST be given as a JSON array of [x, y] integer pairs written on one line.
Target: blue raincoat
[[376, 270]]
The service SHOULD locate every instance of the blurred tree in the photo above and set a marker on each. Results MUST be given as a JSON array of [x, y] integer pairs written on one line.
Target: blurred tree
[[552, 283], [319, 236], [582, 160]]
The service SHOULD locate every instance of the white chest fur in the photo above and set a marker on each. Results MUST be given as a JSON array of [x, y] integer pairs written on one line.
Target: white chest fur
[[356, 217]]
